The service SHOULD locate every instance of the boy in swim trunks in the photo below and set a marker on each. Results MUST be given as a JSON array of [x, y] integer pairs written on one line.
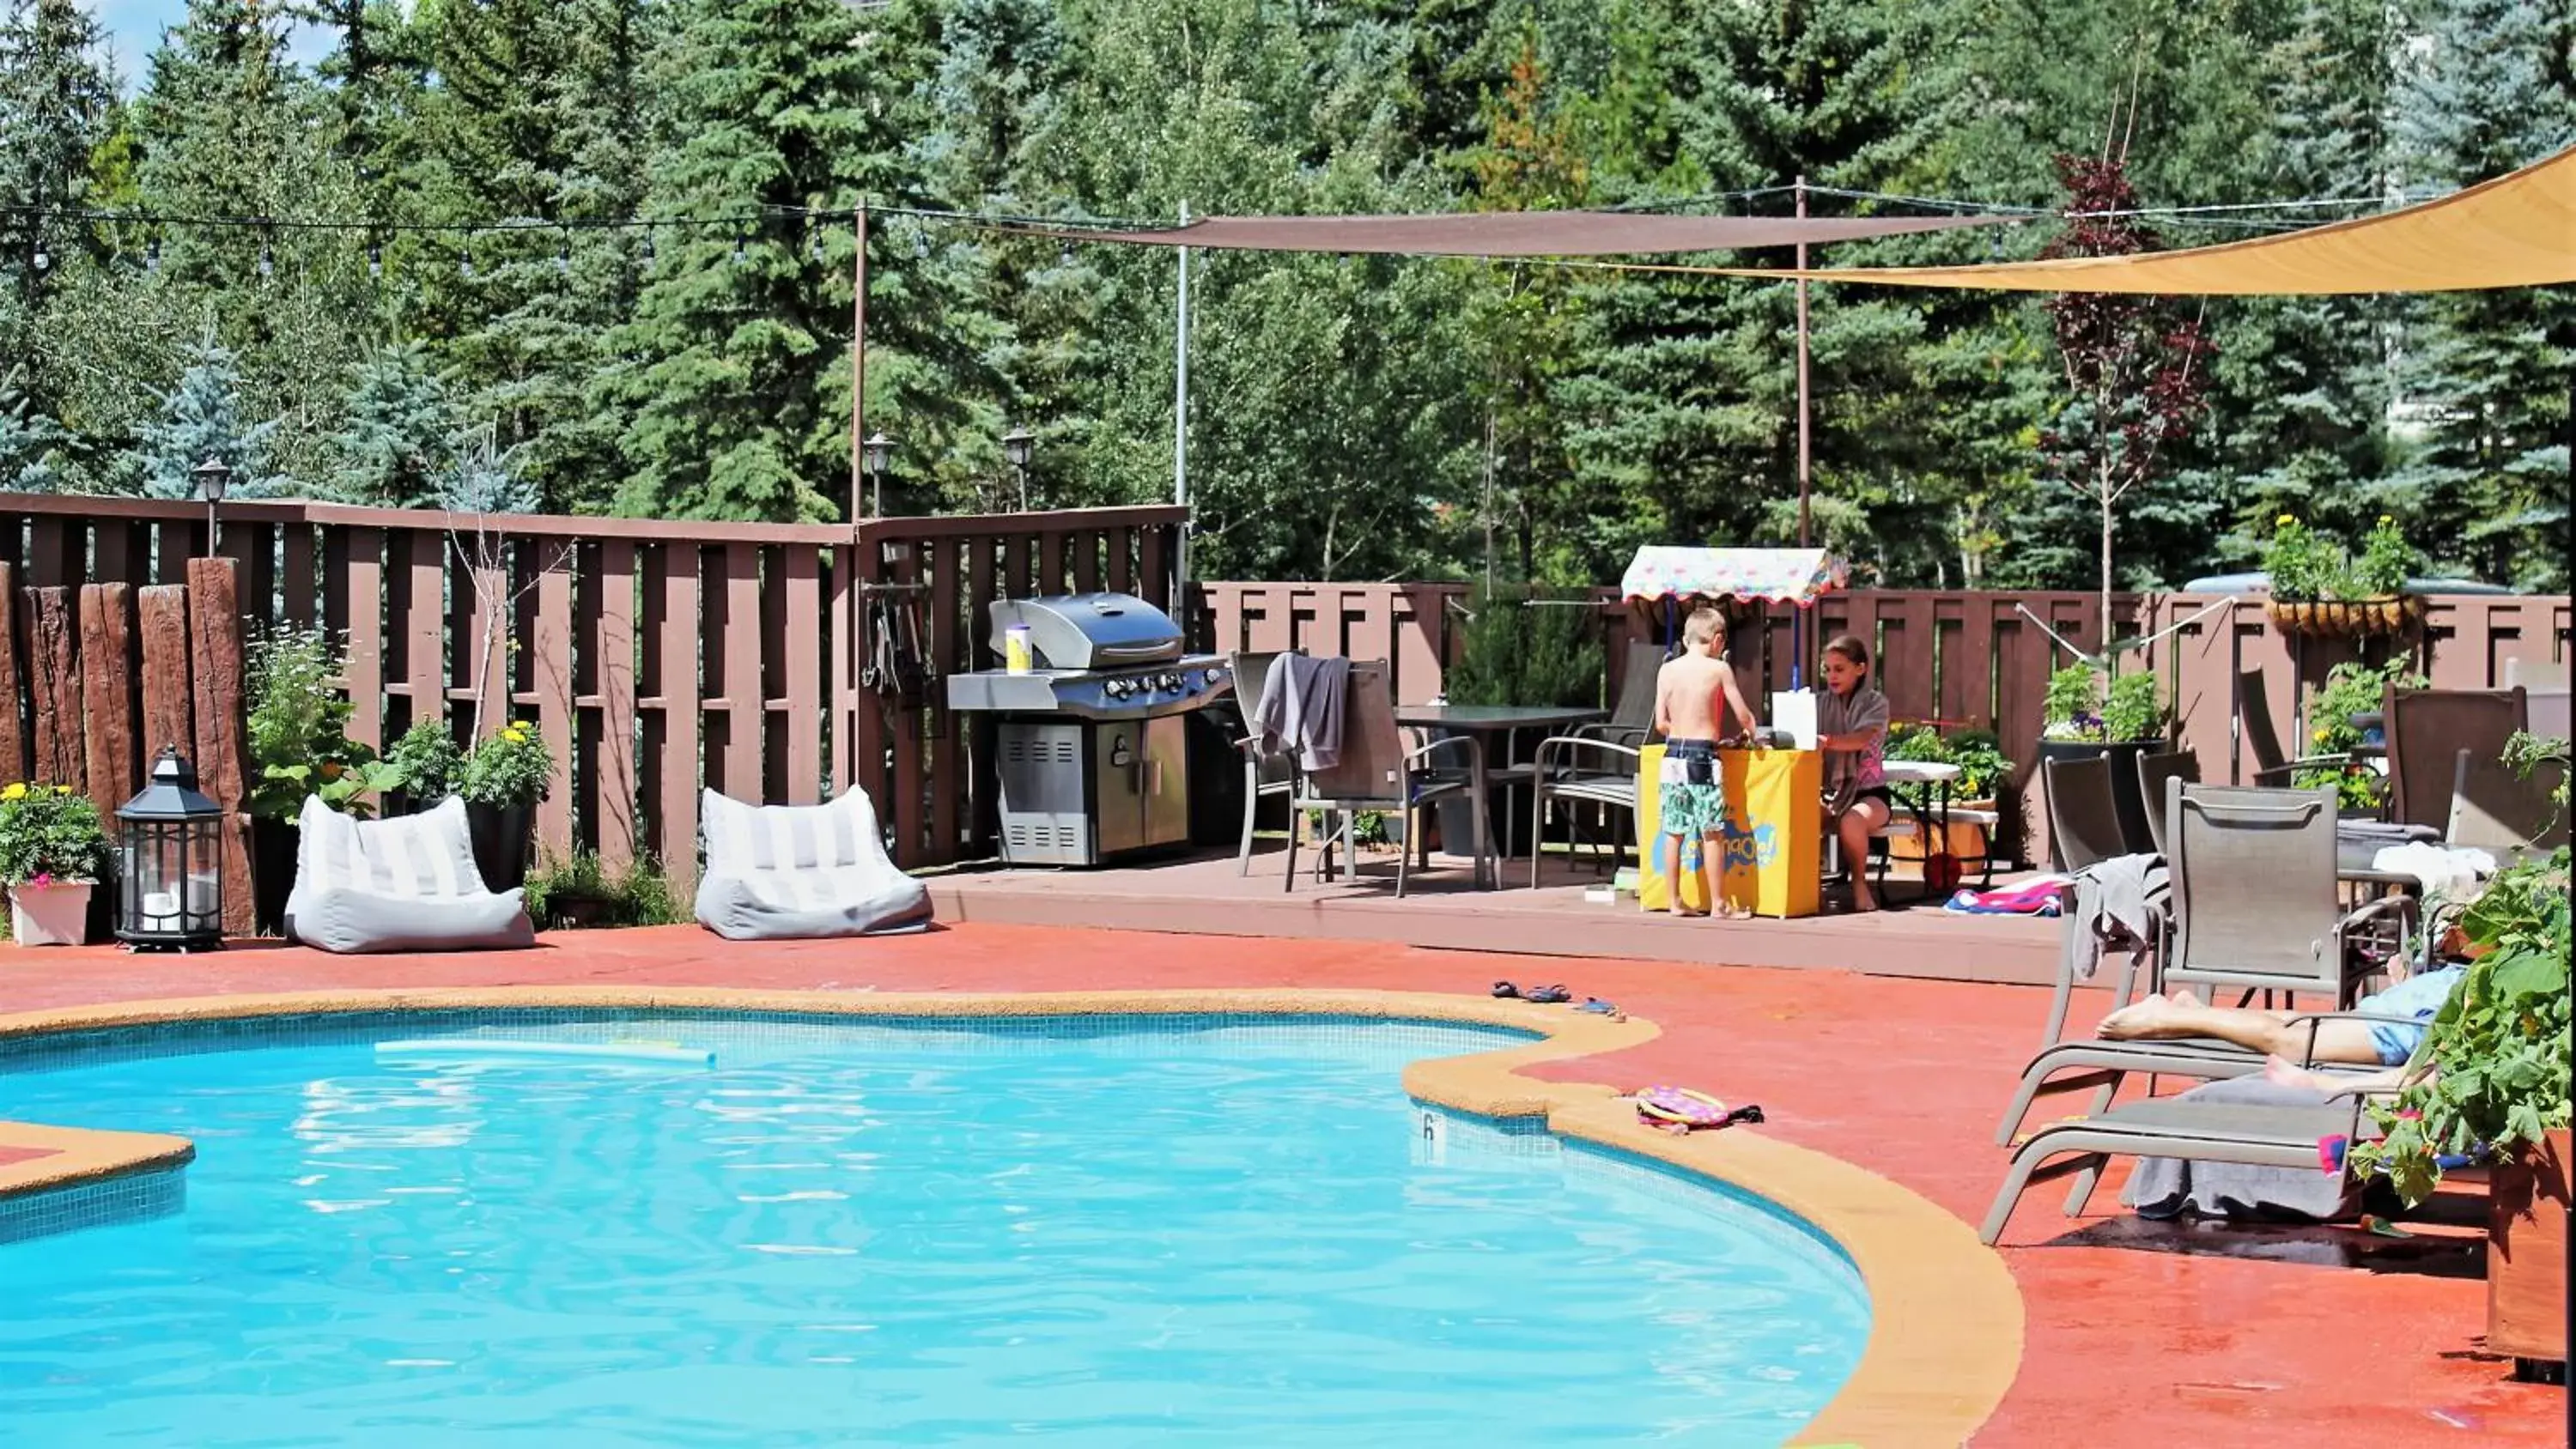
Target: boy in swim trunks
[[1695, 688]]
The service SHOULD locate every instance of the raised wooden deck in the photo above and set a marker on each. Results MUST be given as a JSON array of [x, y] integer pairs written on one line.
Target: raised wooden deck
[[1203, 895]]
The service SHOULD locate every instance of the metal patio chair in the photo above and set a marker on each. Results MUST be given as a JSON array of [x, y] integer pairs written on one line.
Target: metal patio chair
[[2427, 728], [1598, 763], [2254, 887], [2272, 765], [2497, 809], [1380, 770], [1265, 774], [2153, 771], [2083, 818]]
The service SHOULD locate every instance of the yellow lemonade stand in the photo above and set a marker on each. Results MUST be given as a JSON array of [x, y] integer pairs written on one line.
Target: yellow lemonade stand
[[1774, 840]]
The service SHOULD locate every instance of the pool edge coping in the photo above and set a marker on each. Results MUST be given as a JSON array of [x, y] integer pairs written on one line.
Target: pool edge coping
[[1946, 1317]]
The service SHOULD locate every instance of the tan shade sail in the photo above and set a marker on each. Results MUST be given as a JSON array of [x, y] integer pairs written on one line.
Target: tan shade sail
[[2518, 230], [1522, 233]]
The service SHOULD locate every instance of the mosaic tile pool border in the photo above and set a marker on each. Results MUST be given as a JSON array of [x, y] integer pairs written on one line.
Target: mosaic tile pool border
[[1946, 1326], [130, 1197]]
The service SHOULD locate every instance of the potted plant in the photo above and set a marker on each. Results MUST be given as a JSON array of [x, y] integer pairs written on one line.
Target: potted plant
[[2489, 1082], [299, 746], [579, 894], [1982, 770], [430, 763], [53, 849], [2317, 588], [2350, 696], [2082, 721], [501, 782]]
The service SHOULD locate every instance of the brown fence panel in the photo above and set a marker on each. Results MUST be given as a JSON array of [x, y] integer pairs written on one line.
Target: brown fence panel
[[550, 648], [215, 663], [166, 671], [112, 762]]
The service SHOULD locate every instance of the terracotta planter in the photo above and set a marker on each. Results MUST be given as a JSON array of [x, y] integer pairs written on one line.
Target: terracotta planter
[[50, 915], [2346, 618], [2527, 1253]]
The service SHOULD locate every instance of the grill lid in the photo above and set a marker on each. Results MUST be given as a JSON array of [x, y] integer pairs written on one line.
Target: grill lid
[[1090, 631]]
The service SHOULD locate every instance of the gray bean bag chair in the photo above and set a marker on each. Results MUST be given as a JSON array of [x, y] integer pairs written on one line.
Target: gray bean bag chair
[[785, 872], [405, 884]]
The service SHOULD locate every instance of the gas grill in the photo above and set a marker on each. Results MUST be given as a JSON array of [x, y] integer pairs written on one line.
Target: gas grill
[[1090, 741]]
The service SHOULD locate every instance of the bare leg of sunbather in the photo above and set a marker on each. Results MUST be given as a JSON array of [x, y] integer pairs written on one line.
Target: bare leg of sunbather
[[2166, 1018], [2283, 1073]]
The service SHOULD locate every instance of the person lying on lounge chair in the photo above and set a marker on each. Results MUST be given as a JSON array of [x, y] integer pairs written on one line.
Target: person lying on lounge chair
[[2414, 1000]]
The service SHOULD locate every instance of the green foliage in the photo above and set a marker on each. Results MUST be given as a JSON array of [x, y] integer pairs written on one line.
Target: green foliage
[[428, 757], [2132, 710], [1528, 646], [395, 447], [2491, 1074], [2071, 706], [1978, 754], [2302, 565], [581, 892], [2386, 560], [512, 767], [49, 834], [297, 730]]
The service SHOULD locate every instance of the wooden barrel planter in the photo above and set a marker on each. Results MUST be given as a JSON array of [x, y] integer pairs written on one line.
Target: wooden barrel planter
[[2527, 1255], [2346, 618]]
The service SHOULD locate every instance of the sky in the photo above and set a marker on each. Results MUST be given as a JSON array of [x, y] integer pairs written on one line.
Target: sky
[[134, 29]]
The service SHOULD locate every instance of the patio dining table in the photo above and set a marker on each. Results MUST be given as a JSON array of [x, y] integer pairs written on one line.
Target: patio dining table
[[1484, 722]]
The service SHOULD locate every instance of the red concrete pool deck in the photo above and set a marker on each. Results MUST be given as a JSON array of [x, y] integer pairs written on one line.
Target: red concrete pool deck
[[2135, 1336]]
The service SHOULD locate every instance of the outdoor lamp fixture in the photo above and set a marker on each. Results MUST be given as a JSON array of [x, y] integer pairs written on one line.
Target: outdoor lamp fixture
[[1017, 444], [213, 476], [169, 858], [880, 461]]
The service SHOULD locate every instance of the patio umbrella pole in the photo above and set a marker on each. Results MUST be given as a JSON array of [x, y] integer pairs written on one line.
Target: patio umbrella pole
[[1798, 620], [1181, 414]]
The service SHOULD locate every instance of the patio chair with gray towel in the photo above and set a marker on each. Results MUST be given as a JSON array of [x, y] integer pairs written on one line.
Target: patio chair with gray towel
[[2254, 896], [2427, 728], [2272, 765], [2153, 771], [2256, 1136], [1379, 771], [2083, 818], [1265, 772]]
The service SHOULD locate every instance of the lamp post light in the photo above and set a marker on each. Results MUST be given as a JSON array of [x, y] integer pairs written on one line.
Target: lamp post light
[[879, 452], [169, 856], [1017, 444], [212, 476]]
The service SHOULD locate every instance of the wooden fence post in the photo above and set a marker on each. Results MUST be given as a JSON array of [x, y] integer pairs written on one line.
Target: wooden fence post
[[13, 739], [53, 677], [215, 662], [107, 695], [164, 609]]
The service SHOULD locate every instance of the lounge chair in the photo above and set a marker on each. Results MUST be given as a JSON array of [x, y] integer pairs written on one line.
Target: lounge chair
[[2498, 809], [1378, 771], [2083, 817], [1598, 762], [2545, 698], [404, 884], [791, 872], [2153, 771], [2257, 1136], [1265, 773], [2254, 727], [2426, 730]]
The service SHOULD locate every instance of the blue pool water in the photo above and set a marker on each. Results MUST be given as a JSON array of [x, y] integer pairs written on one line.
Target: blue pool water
[[1179, 1232]]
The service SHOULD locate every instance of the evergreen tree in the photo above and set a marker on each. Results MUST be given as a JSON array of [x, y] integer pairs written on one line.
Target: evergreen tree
[[397, 440], [484, 477], [2487, 372], [30, 443], [56, 102], [737, 393], [200, 420]]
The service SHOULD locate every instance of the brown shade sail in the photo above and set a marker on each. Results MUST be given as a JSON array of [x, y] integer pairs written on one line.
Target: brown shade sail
[[2518, 230], [1522, 233]]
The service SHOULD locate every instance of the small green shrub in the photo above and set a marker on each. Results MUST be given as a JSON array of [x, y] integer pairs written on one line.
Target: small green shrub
[[1528, 646], [2133, 711], [297, 730], [2071, 707], [2386, 559], [641, 897], [2351, 688], [430, 762], [513, 767]]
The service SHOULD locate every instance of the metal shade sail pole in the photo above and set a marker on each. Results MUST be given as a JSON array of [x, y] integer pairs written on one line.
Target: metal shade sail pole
[[1181, 417], [858, 356], [1797, 621]]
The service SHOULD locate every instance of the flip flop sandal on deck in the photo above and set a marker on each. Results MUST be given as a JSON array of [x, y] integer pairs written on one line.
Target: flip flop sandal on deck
[[1547, 995], [1506, 990]]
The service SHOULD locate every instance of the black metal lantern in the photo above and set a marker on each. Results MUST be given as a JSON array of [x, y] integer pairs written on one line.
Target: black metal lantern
[[212, 477], [170, 883], [1017, 445], [877, 457]]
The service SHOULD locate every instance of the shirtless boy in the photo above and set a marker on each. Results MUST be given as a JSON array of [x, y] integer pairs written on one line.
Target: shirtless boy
[[1694, 689]]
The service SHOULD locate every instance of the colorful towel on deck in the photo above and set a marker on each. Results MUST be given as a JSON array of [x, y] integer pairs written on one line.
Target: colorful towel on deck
[[2038, 896]]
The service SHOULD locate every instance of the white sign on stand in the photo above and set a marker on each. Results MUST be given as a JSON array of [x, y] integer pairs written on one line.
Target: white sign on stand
[[1794, 710]]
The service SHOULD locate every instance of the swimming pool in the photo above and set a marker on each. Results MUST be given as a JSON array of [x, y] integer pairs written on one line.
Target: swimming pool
[[1103, 1232]]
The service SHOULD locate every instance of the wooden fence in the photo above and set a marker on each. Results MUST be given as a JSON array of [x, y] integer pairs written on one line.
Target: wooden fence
[[653, 657], [1968, 660]]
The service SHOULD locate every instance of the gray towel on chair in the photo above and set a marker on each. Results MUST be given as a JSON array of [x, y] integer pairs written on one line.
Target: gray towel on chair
[[2168, 1187], [2118, 902], [1301, 709]]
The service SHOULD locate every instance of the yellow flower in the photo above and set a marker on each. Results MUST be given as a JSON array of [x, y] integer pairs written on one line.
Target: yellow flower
[[2321, 736], [2284, 521], [62, 789], [2384, 518], [17, 791]]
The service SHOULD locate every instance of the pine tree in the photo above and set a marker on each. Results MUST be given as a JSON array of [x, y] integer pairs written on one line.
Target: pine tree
[[200, 420], [738, 388], [30, 443], [2487, 372], [397, 441], [56, 104]]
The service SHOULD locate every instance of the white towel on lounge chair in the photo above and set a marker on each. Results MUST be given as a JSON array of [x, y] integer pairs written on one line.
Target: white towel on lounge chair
[[2449, 873]]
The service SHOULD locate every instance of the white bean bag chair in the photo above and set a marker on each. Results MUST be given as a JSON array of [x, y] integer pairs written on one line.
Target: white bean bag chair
[[405, 884], [787, 872]]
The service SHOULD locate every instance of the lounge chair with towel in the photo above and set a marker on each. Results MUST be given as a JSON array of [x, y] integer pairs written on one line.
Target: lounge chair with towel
[[788, 872], [1376, 769], [404, 884]]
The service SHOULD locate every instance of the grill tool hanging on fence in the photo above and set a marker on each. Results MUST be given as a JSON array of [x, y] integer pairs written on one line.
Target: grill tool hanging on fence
[[897, 664]]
